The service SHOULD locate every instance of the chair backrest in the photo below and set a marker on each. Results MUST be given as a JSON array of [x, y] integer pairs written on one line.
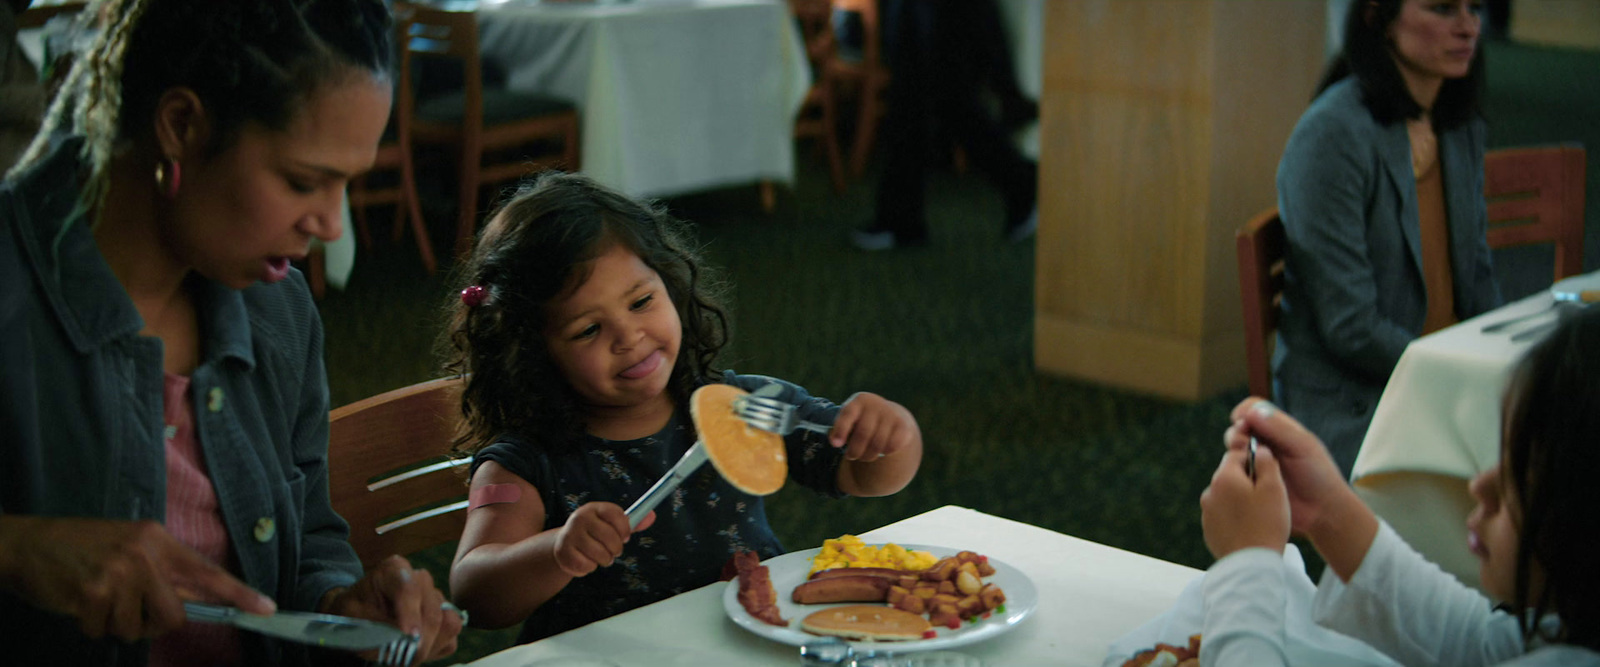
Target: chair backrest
[[815, 20], [432, 33], [389, 473], [1261, 246], [1536, 196]]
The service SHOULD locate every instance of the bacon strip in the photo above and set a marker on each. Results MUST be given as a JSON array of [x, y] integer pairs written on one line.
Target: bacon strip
[[756, 593]]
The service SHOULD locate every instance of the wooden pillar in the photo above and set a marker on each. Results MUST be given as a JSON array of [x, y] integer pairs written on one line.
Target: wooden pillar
[[1161, 125]]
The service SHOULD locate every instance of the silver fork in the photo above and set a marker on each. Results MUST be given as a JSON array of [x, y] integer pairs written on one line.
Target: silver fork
[[770, 414], [398, 653]]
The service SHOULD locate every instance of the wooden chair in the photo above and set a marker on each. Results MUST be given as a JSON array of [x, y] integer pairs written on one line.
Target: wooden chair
[[869, 77], [1536, 196], [492, 128], [1261, 245], [393, 162], [817, 117], [389, 474]]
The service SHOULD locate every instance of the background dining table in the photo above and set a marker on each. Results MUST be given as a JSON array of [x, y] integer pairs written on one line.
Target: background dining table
[[674, 96], [1438, 425], [1089, 595]]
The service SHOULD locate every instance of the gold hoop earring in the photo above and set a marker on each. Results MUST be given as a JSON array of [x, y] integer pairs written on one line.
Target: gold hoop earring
[[168, 176]]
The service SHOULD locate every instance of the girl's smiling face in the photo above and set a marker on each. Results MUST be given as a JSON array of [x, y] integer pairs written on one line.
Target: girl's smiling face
[[616, 336]]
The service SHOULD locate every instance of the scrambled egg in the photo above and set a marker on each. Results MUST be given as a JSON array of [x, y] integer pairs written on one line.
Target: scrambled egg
[[850, 551]]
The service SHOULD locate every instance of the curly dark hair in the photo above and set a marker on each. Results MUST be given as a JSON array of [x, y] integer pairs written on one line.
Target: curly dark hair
[[1366, 56], [537, 247], [1551, 458]]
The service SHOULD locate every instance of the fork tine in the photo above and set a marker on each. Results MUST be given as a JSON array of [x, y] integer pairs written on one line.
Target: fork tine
[[406, 651], [765, 402], [753, 412]]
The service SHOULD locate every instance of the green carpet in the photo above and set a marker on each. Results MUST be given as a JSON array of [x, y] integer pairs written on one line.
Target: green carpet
[[945, 330]]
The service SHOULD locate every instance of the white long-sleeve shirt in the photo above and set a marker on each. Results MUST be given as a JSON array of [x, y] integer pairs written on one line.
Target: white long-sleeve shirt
[[1397, 601]]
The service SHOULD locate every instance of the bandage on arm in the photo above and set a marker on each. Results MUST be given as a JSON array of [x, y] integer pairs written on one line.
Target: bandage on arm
[[493, 494]]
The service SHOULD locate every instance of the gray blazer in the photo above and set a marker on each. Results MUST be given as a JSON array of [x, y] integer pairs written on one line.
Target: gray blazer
[[1353, 295]]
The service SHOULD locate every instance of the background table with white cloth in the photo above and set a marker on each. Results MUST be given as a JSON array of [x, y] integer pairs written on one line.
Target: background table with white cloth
[[1438, 425], [1089, 596], [675, 96]]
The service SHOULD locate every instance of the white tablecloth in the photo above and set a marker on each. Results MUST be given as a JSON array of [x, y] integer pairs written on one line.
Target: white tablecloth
[[675, 95], [1437, 426], [1089, 595]]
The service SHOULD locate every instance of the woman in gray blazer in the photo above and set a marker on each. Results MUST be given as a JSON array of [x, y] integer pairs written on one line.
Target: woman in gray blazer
[[1381, 194]]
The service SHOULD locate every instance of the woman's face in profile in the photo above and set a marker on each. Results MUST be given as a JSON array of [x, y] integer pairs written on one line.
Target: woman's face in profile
[[242, 215], [1436, 39]]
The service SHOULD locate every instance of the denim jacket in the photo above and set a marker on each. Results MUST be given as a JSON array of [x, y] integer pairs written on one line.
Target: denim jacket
[[81, 422]]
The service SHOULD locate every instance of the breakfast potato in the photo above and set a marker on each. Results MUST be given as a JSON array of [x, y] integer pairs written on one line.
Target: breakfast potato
[[968, 583], [911, 603]]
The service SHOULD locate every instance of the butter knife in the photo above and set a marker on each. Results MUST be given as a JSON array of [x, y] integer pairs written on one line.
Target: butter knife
[[326, 630]]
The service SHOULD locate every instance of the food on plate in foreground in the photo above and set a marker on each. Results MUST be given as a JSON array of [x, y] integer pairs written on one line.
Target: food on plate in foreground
[[1167, 655], [850, 551], [756, 593], [854, 588], [949, 592], [752, 460], [868, 622]]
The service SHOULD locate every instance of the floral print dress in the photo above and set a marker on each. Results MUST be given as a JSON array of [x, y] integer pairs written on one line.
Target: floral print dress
[[697, 529]]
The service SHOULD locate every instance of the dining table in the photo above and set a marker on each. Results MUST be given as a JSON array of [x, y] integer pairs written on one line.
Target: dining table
[[674, 96], [1088, 595], [1437, 424]]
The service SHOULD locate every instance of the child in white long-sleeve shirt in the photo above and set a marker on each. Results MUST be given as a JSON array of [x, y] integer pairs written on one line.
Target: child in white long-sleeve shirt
[[1536, 532]]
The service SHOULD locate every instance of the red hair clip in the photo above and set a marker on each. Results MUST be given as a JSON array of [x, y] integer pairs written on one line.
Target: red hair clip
[[474, 296]]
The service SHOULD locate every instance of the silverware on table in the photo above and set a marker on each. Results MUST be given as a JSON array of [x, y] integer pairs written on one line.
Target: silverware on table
[[1534, 331], [1502, 325]]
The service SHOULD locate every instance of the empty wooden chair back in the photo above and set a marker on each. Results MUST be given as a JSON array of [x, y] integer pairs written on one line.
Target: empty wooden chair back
[[501, 135], [1261, 245], [389, 472], [1536, 196]]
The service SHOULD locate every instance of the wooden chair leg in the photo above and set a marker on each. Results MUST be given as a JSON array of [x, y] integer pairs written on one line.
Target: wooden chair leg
[[830, 144], [866, 129], [357, 193], [769, 197], [467, 206], [411, 203], [317, 273]]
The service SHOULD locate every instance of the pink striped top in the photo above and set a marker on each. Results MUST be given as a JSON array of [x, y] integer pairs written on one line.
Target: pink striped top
[[195, 519]]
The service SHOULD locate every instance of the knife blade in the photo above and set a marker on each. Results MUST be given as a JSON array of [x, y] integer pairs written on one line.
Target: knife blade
[[326, 630]]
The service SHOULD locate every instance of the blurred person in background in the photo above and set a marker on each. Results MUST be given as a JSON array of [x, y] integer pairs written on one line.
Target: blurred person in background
[[1381, 193], [951, 83]]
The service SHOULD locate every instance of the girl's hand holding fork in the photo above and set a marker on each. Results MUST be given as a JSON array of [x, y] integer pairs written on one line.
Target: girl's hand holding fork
[[1322, 505], [882, 445]]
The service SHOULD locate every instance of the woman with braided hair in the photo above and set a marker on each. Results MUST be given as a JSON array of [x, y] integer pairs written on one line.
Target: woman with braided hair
[[163, 402]]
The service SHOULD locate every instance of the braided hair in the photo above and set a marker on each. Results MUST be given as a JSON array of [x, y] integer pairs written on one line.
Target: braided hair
[[254, 61], [536, 248]]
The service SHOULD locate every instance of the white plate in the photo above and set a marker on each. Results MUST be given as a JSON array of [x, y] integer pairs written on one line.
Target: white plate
[[792, 569], [1568, 289]]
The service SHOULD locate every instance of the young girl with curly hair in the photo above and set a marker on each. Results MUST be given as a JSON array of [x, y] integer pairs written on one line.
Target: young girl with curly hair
[[586, 321]]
